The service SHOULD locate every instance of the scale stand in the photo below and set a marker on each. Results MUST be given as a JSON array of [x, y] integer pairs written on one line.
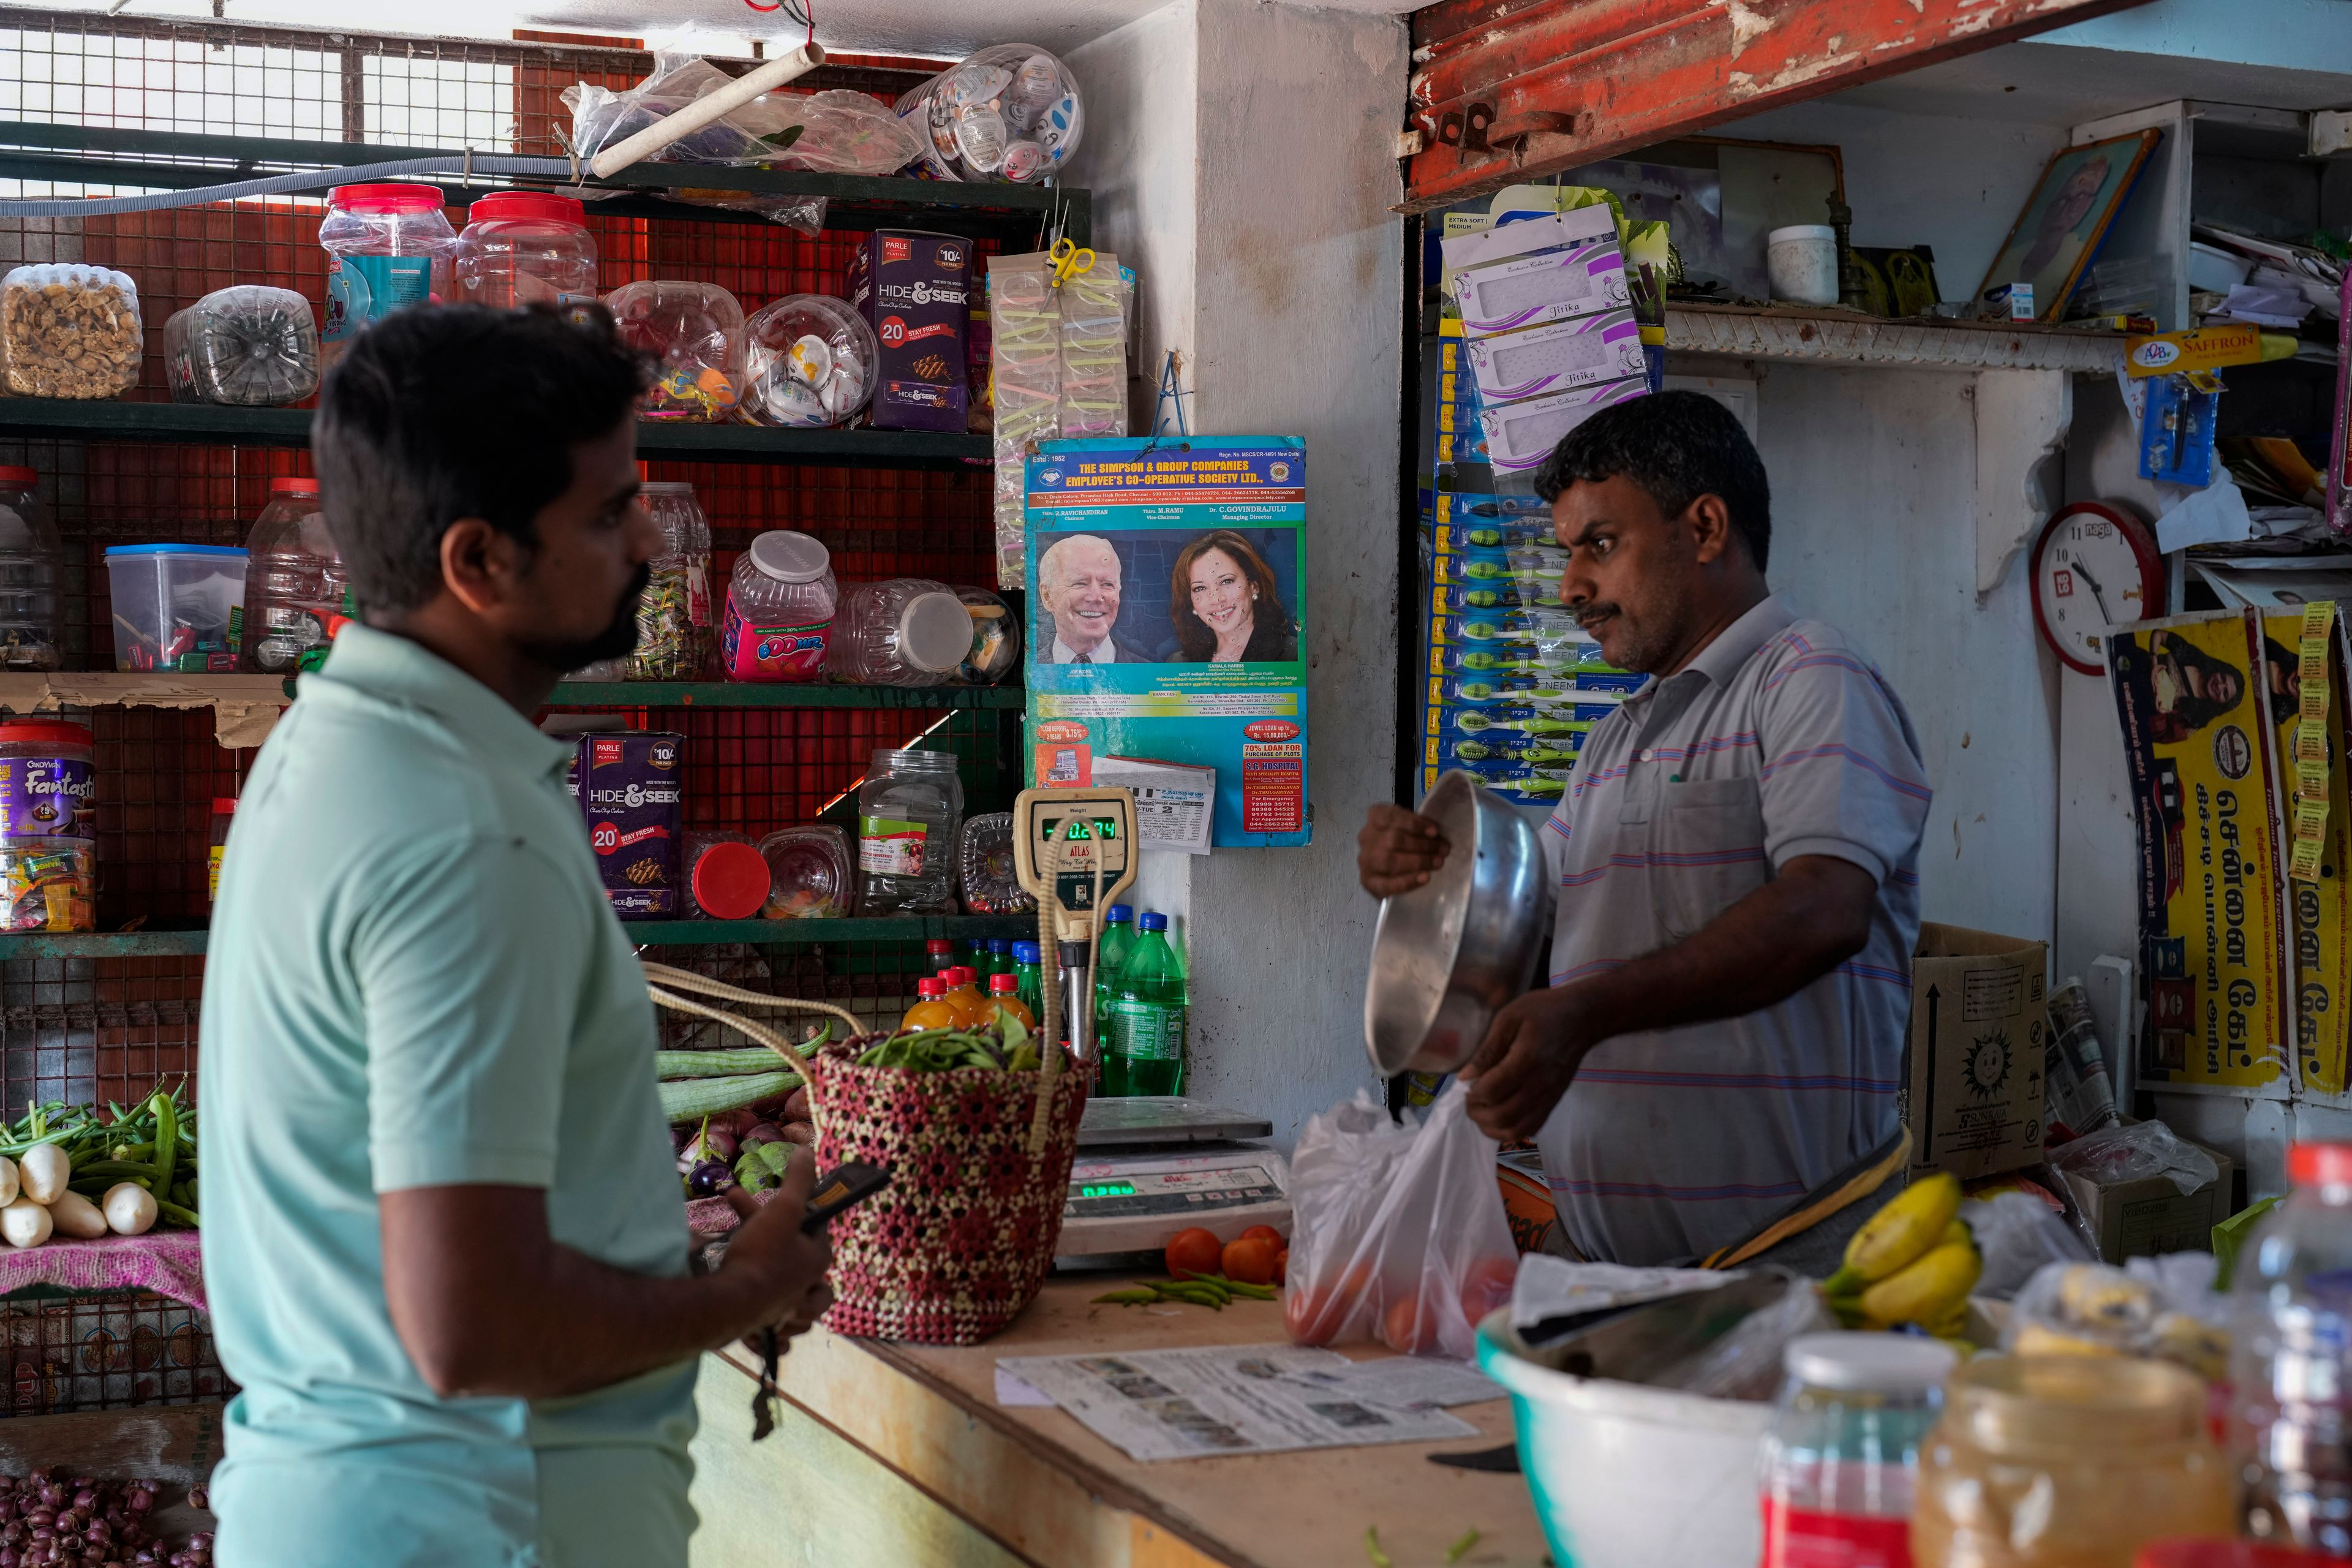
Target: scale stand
[[1073, 849]]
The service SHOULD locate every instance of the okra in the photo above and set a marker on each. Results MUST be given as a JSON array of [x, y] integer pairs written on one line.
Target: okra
[[1135, 1297]]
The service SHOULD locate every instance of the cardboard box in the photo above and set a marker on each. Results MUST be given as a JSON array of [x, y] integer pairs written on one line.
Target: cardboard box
[[1973, 1064], [2142, 1219], [915, 290]]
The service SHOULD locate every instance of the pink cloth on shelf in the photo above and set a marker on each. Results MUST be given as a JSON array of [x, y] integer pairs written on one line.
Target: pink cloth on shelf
[[168, 1262]]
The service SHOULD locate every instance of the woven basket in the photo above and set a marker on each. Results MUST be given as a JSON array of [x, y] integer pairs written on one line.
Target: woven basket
[[959, 1242]]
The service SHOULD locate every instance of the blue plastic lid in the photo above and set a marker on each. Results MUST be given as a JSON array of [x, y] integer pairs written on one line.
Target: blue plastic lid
[[1119, 914], [1000, 944], [115, 549], [1025, 953], [1153, 922]]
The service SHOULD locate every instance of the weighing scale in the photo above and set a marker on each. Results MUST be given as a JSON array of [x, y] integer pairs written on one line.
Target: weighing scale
[[1073, 849], [1149, 1166]]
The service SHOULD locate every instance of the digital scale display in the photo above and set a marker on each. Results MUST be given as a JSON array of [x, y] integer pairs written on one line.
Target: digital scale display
[[1105, 1189], [1193, 1190]]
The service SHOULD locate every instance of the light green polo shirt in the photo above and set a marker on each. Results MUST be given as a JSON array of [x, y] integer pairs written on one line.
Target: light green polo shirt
[[415, 980]]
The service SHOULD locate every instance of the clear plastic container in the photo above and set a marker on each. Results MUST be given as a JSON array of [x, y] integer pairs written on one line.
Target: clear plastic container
[[808, 873], [908, 631], [2291, 1420], [908, 811], [2067, 1462], [387, 245], [808, 359], [49, 884], [176, 606], [250, 346], [294, 580], [984, 872], [31, 559], [780, 604], [726, 875], [674, 615], [223, 818], [1008, 114], [695, 333], [996, 638], [526, 247], [70, 331], [1838, 1465], [46, 771]]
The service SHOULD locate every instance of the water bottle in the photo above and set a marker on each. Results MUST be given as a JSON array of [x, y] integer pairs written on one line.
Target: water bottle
[[1000, 957], [1030, 971], [2291, 1416], [1110, 953], [1146, 1054], [294, 580]]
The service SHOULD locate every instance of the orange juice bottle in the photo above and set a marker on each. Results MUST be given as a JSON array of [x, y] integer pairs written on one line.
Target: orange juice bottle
[[964, 995], [1004, 997], [932, 1011]]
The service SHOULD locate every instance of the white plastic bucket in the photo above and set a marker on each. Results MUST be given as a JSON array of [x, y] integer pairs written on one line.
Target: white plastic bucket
[[1628, 1476]]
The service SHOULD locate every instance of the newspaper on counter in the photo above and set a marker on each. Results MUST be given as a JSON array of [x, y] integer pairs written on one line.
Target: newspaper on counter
[[1252, 1399], [1552, 1290]]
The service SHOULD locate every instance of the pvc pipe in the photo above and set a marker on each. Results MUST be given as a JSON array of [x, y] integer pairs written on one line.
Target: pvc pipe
[[703, 110], [557, 169]]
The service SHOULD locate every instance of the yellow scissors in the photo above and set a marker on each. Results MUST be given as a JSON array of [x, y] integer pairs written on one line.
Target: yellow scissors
[[1068, 260]]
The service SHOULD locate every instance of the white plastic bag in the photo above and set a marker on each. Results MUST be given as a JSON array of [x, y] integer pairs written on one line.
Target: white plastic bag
[[1398, 1232], [2019, 1233]]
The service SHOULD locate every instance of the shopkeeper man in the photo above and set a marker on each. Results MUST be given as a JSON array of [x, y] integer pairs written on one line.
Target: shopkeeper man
[[1738, 864], [443, 1238]]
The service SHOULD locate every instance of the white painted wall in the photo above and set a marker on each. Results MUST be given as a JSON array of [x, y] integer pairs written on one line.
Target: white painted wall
[[1257, 217]]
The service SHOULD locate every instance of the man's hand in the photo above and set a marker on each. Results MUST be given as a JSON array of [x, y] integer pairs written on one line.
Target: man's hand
[[1397, 850], [786, 1267], [1529, 1059]]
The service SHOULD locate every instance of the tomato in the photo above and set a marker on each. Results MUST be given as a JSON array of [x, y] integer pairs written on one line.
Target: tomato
[[1309, 1317], [1407, 1329], [1250, 1261], [1264, 1232], [1194, 1251], [1487, 1286], [1282, 1267]]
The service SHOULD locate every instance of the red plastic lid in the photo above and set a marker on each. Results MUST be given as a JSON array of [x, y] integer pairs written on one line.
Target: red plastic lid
[[42, 733], [19, 479], [938, 945], [2319, 1164], [961, 974], [731, 881], [930, 988], [390, 198], [224, 806], [2223, 1554], [294, 487], [528, 206], [1003, 984]]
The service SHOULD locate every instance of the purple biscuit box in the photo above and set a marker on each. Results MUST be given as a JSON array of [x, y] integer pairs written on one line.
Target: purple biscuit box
[[915, 290], [630, 791]]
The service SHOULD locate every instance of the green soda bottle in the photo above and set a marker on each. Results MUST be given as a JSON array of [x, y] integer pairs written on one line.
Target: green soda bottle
[[1111, 954], [1032, 977], [1146, 1050], [1000, 957]]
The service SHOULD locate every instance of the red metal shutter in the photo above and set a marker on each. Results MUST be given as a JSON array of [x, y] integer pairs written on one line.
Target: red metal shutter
[[1506, 90]]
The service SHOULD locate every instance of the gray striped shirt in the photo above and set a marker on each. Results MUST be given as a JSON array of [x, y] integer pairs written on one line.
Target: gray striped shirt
[[1781, 739]]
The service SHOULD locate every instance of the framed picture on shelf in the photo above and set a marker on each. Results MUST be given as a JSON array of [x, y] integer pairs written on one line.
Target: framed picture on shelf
[[2059, 231]]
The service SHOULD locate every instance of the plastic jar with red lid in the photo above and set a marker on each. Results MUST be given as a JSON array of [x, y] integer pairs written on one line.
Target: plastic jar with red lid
[[524, 247], [224, 815], [726, 875], [31, 558], [295, 581], [387, 245]]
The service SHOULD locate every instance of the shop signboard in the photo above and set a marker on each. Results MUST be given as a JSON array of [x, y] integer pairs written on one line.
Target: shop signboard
[[2302, 682], [2205, 793], [1168, 619]]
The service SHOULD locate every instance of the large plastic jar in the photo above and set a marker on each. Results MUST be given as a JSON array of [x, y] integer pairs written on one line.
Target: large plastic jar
[[176, 606], [30, 559], [2067, 1462], [674, 615], [779, 609], [526, 247], [387, 245], [2291, 1378], [1836, 1469], [908, 631], [294, 580], [47, 766], [908, 811]]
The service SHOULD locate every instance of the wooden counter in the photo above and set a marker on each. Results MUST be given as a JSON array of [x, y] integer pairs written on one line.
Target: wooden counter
[[897, 1456]]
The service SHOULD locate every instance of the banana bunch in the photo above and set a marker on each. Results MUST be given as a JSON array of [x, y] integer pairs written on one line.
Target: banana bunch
[[1914, 1262]]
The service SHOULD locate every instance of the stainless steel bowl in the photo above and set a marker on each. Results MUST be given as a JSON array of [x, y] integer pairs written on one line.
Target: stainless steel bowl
[[1447, 956]]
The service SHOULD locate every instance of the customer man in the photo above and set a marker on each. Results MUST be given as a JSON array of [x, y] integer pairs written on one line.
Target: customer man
[[1077, 579], [443, 1238], [1737, 860]]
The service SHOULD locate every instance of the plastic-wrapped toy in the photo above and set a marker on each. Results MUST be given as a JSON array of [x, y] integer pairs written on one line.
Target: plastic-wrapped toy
[[808, 359], [1009, 115], [695, 332]]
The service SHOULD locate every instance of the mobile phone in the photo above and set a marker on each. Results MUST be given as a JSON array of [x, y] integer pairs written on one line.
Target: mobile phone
[[843, 1186]]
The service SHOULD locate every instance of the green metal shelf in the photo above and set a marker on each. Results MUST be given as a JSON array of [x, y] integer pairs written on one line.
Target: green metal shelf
[[645, 933], [777, 694], [168, 160], [106, 420]]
